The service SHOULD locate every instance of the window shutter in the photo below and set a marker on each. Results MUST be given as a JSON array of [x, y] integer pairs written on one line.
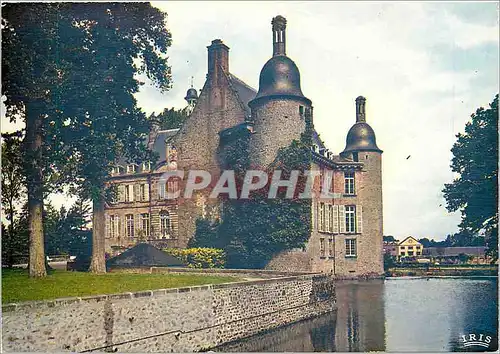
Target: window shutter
[[313, 216], [342, 219], [327, 217], [161, 190], [122, 227], [137, 192], [146, 192], [130, 192], [321, 216], [335, 219], [121, 193], [108, 228], [138, 225], [359, 219], [316, 212]]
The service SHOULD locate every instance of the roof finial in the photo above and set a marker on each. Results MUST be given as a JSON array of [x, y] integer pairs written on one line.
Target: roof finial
[[192, 78], [279, 42], [360, 109]]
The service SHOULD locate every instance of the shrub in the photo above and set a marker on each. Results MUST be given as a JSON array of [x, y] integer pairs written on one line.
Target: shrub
[[199, 257]]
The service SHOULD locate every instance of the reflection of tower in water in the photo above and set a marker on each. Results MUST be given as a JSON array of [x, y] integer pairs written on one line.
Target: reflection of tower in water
[[360, 316]]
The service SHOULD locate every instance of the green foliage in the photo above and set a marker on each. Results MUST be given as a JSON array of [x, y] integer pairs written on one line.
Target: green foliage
[[199, 257], [13, 193], [65, 230], [70, 72], [389, 238], [170, 118], [206, 234], [475, 192], [389, 261]]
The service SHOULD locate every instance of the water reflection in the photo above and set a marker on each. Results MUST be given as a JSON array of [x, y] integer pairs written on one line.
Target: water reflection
[[396, 315]]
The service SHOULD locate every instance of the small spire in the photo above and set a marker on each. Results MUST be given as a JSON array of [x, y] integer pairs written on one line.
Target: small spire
[[279, 41], [192, 78], [360, 109]]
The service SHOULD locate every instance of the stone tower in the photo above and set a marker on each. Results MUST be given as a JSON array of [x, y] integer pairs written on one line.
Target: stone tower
[[278, 110], [361, 146]]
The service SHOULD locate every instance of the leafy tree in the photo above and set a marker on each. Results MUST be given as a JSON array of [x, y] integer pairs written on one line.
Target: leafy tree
[[475, 191], [170, 118], [466, 238], [389, 238], [65, 230], [71, 73], [29, 67], [389, 261], [12, 187]]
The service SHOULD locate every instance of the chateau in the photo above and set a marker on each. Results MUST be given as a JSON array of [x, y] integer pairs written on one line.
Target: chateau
[[346, 232]]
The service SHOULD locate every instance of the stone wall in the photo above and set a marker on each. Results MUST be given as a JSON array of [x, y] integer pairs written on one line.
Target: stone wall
[[167, 320], [277, 122]]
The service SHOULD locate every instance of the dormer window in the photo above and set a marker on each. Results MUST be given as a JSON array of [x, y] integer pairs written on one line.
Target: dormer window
[[146, 166], [132, 168], [116, 170]]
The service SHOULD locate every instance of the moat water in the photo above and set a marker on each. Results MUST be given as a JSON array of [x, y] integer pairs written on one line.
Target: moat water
[[396, 314]]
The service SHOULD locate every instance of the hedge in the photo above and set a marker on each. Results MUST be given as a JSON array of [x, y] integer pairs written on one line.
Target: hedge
[[199, 257]]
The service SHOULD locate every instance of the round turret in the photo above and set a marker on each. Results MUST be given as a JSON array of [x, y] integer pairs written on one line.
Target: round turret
[[279, 110], [361, 136], [279, 76]]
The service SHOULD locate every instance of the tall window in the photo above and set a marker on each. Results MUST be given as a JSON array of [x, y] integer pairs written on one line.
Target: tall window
[[350, 219], [321, 247], [349, 182], [350, 248], [145, 224], [330, 247], [162, 190], [322, 216], [129, 193], [114, 221], [165, 226], [144, 192], [130, 225]]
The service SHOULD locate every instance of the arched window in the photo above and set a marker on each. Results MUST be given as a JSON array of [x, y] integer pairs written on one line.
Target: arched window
[[165, 225]]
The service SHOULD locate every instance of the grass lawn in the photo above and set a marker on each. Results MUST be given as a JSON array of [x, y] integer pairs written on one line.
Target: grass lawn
[[17, 286]]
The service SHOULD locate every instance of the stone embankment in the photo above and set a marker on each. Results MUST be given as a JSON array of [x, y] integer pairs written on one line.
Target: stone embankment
[[166, 320]]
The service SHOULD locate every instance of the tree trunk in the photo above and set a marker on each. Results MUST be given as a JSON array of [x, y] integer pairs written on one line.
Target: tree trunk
[[33, 146], [98, 263], [10, 240]]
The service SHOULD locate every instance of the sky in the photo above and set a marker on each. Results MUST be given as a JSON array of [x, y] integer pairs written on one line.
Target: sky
[[424, 67]]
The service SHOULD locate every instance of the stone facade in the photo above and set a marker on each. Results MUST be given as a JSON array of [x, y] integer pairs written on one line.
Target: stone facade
[[269, 119], [168, 320], [347, 228]]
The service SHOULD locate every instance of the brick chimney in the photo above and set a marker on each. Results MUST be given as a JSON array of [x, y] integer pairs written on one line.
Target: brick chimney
[[360, 109], [218, 58]]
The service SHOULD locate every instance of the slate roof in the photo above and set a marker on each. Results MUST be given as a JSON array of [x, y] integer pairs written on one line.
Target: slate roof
[[143, 255], [159, 142], [245, 92]]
